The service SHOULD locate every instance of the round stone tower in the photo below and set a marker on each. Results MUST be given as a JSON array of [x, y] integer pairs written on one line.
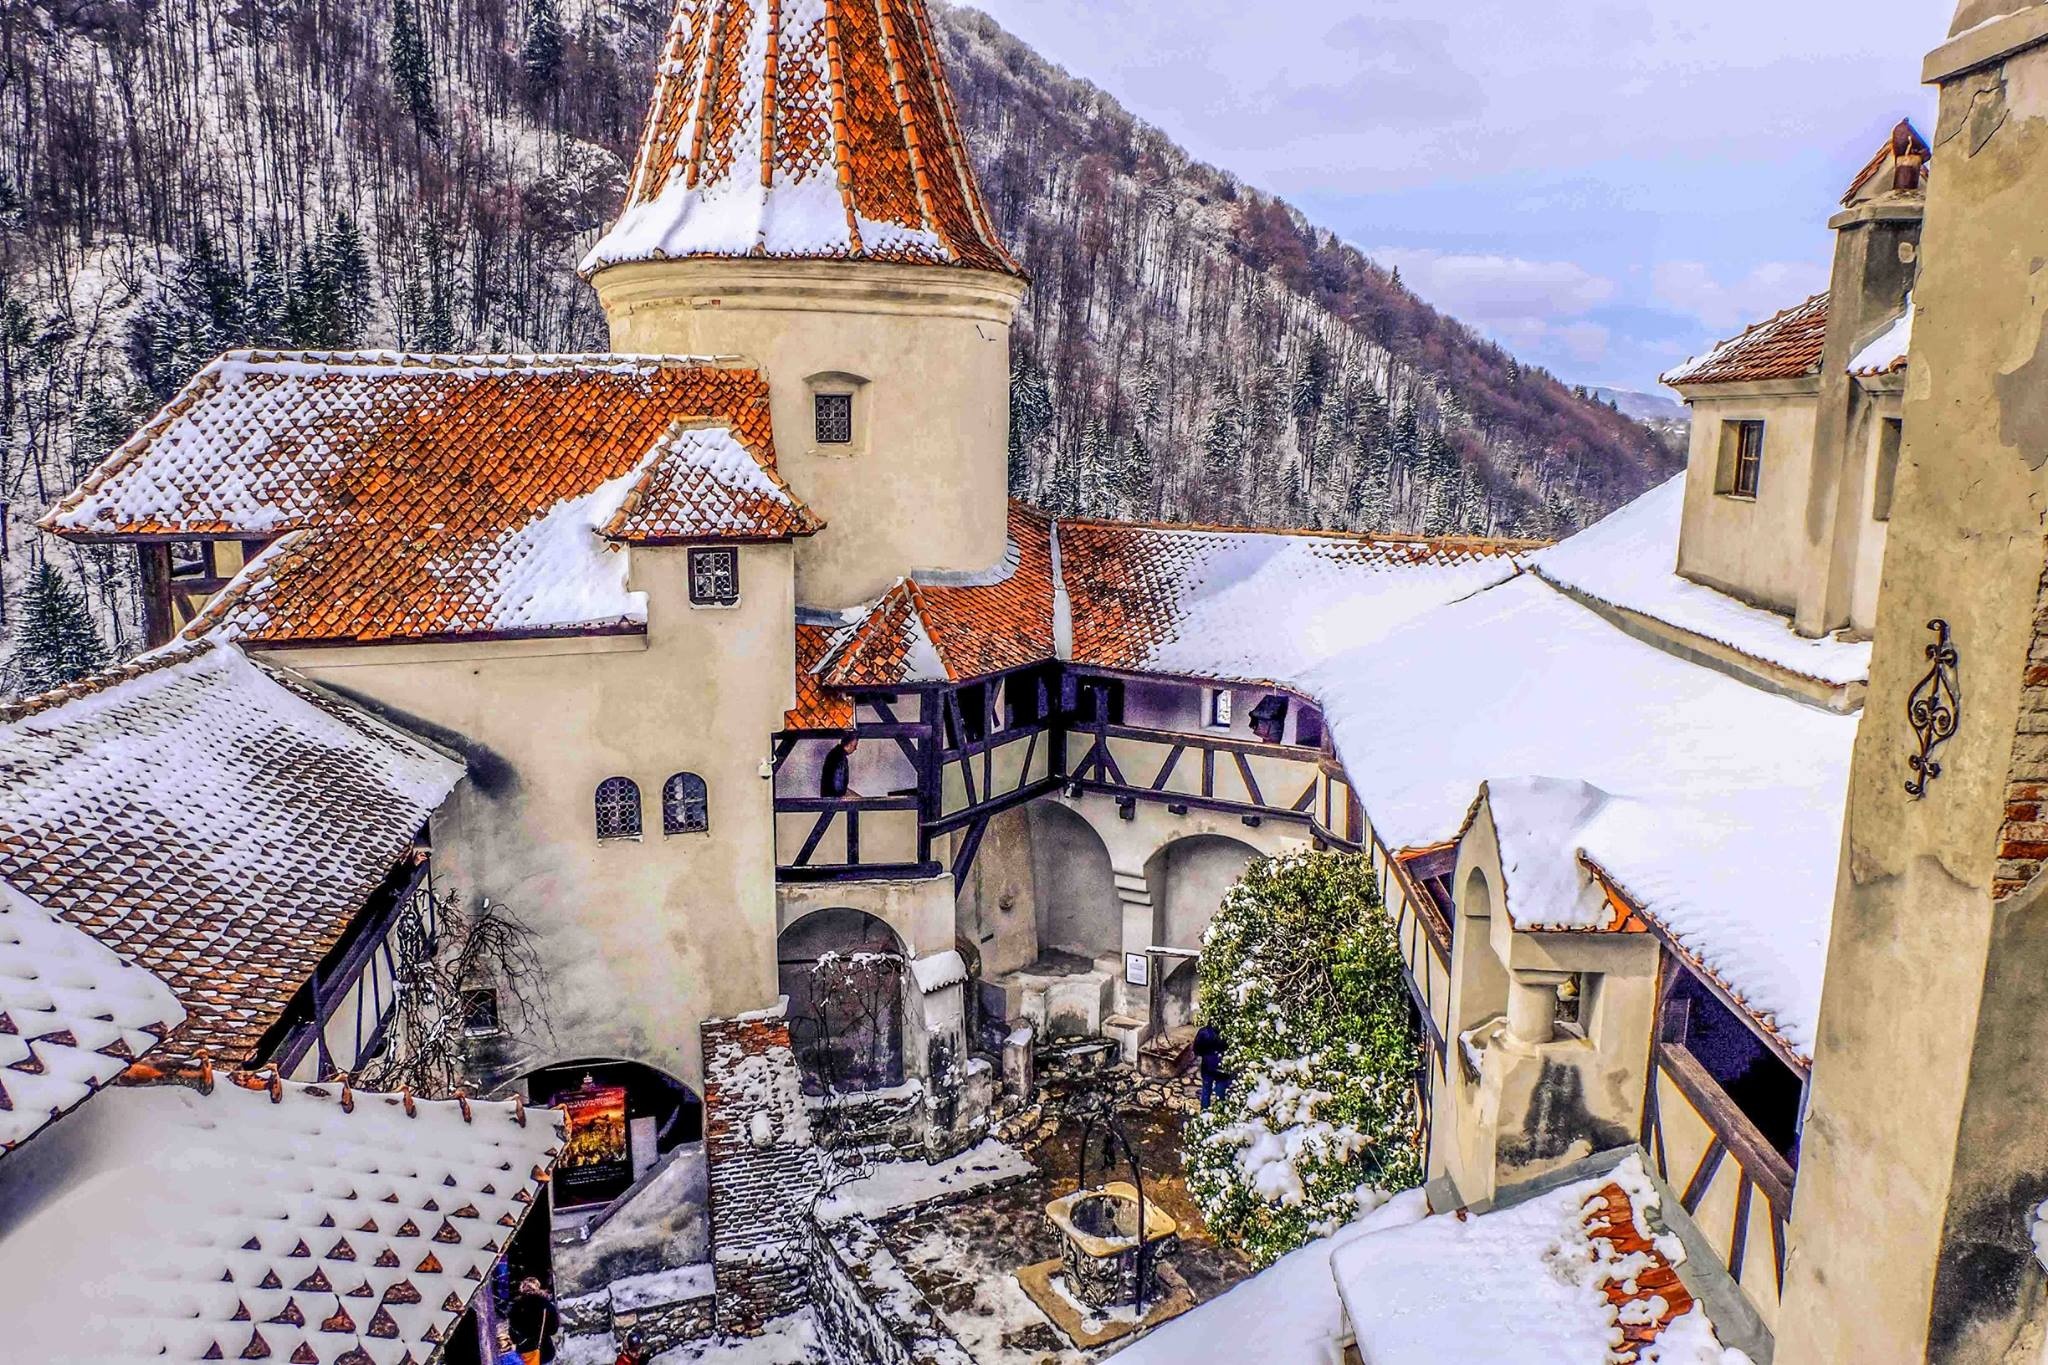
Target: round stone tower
[[802, 201]]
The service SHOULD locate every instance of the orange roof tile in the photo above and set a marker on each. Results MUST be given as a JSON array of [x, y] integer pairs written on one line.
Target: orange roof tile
[[213, 821], [803, 129], [816, 707], [425, 497], [1788, 346], [1648, 1300], [933, 629]]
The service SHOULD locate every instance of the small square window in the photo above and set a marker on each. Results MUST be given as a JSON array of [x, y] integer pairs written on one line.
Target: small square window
[[480, 1014], [835, 419], [191, 559], [715, 577], [1742, 459], [1219, 708]]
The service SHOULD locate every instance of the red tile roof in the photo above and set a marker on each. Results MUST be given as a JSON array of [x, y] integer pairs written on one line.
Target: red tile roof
[[817, 708], [803, 129], [213, 821], [1788, 346], [930, 626], [427, 497], [1652, 1297]]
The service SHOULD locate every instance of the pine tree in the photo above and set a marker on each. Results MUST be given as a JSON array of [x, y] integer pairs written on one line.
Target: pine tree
[[1096, 476], [1132, 478], [55, 640], [542, 54], [347, 263], [411, 69], [1031, 414], [268, 298]]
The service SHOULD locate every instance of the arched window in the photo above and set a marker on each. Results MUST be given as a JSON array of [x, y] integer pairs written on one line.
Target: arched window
[[618, 808], [685, 805]]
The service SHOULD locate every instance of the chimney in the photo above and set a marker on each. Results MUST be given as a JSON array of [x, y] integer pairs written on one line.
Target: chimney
[[1925, 1149]]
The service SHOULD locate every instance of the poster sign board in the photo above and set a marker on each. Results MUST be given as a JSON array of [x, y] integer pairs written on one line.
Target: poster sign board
[[597, 1161], [1137, 969]]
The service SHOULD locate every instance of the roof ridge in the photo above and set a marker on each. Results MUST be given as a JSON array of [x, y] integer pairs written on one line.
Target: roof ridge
[[155, 661], [1501, 543]]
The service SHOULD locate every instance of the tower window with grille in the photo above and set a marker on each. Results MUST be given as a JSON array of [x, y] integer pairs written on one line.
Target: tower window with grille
[[685, 805], [834, 412], [715, 577], [618, 808]]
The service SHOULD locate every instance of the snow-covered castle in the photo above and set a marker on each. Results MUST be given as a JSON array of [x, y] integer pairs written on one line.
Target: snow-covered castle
[[722, 658]]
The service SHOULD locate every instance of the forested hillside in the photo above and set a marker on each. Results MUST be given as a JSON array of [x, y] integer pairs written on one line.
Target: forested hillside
[[182, 176]]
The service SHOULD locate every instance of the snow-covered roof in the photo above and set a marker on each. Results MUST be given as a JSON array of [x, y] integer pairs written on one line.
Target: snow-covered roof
[[1786, 346], [289, 1223], [417, 497], [1714, 805], [1629, 560], [73, 1016], [1254, 606], [1287, 1314], [1582, 1273], [1887, 353], [806, 129], [217, 822]]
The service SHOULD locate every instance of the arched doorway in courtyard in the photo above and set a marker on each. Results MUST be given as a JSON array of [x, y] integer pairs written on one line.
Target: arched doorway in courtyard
[[1188, 879], [624, 1117], [843, 972], [1078, 910]]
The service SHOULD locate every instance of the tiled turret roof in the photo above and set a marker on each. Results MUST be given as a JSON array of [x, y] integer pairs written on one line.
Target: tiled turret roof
[[803, 129]]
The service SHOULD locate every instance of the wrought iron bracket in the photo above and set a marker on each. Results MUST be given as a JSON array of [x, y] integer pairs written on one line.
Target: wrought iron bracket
[[1935, 709]]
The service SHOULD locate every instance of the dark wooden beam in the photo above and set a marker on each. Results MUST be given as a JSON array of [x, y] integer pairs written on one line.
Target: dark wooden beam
[[1730, 1126]]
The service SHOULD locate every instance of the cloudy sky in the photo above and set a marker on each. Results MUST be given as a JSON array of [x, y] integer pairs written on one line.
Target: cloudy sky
[[1604, 187]]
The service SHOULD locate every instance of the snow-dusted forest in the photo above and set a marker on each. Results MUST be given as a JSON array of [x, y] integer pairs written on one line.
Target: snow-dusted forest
[[182, 176]]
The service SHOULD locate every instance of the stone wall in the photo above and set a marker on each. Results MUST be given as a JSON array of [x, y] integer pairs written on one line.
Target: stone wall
[[868, 1312], [765, 1171]]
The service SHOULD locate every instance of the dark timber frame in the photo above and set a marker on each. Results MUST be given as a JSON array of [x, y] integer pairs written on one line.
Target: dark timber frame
[[962, 729]]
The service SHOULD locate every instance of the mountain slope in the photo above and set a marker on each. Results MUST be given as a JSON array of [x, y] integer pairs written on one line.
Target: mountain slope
[[180, 176]]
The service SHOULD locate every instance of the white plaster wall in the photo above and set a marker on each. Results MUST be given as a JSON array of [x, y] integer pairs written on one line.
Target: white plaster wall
[[1752, 549], [641, 939]]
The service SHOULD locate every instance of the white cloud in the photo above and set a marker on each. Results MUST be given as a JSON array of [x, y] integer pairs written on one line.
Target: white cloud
[[1533, 307], [1692, 288]]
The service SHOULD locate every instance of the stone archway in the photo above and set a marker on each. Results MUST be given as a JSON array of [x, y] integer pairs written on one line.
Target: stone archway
[[1188, 879], [1078, 910], [625, 1117], [844, 972]]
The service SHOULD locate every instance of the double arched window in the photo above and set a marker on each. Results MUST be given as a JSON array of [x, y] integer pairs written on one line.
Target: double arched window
[[618, 808], [685, 805]]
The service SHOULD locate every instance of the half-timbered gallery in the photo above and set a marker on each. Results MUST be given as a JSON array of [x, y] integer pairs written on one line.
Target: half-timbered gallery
[[831, 784]]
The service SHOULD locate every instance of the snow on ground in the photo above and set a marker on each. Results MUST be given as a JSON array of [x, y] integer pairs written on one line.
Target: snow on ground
[[1288, 1314], [785, 1341], [1720, 806], [1630, 560], [906, 1184]]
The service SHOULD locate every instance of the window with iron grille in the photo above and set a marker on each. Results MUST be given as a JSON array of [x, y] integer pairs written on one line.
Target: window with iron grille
[[618, 808], [480, 1013], [715, 577], [685, 805], [834, 413]]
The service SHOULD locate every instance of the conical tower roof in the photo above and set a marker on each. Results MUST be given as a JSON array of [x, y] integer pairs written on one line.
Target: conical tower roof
[[803, 129]]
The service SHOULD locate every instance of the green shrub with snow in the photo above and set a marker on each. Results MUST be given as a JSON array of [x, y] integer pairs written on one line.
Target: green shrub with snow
[[1301, 974]]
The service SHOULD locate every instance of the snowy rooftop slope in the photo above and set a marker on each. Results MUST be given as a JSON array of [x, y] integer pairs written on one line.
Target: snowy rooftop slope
[[1287, 1314], [937, 627], [75, 1016], [1888, 352], [422, 497], [215, 822], [809, 129], [1719, 806], [1786, 346], [1579, 1275], [1629, 559], [304, 1224], [1254, 606]]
